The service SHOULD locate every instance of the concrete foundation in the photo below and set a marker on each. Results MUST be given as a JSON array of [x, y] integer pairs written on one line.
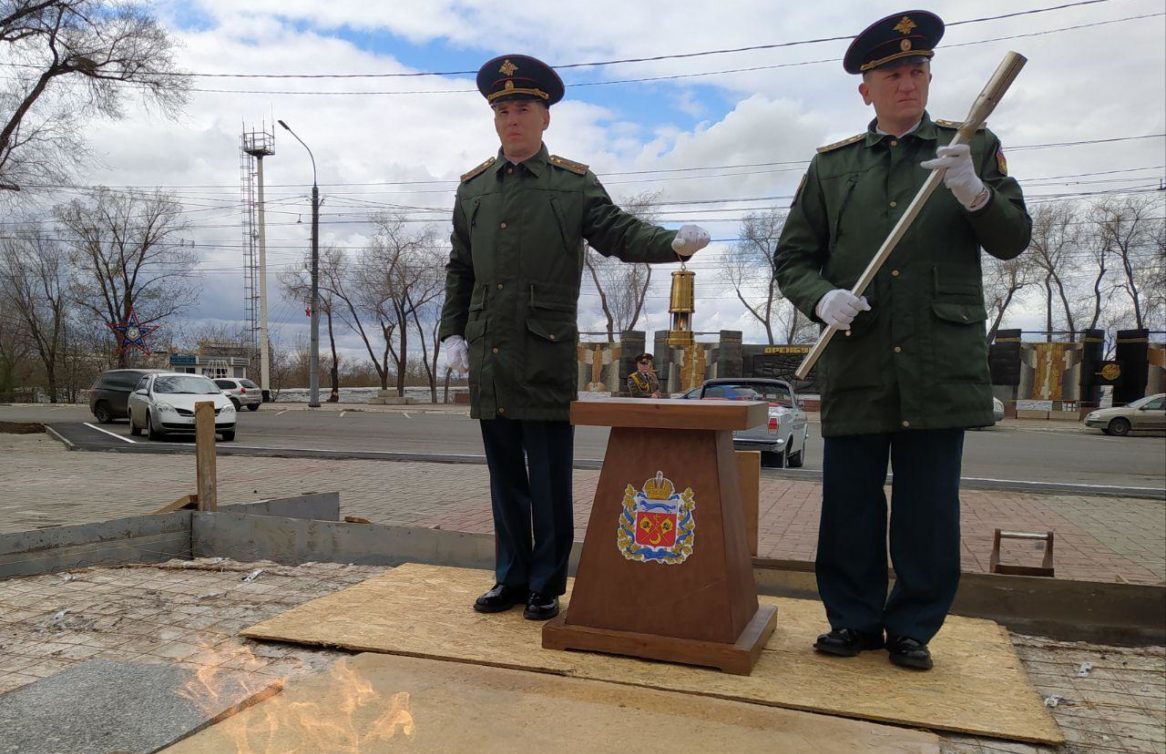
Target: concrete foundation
[[306, 529]]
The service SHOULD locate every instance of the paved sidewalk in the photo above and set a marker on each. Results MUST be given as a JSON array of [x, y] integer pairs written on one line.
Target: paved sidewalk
[[42, 484]]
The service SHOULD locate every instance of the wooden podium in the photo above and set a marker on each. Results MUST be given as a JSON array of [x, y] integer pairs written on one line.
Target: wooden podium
[[665, 572]]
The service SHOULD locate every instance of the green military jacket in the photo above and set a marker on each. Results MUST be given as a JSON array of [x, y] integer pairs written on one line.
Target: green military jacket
[[643, 385], [514, 272], [919, 358]]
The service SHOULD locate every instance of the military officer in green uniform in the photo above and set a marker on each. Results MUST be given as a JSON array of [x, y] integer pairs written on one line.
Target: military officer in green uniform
[[643, 383], [912, 373], [511, 299]]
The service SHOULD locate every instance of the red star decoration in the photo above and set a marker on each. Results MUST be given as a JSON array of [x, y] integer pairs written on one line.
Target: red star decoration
[[132, 334]]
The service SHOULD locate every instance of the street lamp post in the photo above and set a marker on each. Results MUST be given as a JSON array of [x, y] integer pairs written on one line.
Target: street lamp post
[[314, 353]]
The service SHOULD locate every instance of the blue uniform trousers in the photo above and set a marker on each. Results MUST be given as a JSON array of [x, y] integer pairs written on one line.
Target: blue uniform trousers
[[851, 562], [530, 493]]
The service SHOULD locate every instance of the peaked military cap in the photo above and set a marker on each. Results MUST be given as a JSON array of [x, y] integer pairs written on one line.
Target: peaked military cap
[[912, 33], [644, 357], [508, 77]]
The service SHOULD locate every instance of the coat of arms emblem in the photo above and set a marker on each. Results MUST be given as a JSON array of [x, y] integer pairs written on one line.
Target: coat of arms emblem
[[657, 523]]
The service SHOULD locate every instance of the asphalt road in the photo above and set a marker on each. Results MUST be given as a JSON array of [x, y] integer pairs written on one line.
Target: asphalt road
[[1013, 452]]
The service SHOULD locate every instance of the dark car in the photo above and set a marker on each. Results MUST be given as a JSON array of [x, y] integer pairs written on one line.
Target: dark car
[[111, 391], [782, 439]]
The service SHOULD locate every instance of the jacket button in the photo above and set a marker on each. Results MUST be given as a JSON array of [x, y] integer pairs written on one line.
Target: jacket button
[[898, 350], [552, 335], [509, 170], [894, 143], [905, 423], [499, 286], [894, 273], [894, 204], [495, 349], [502, 411], [964, 316], [502, 226]]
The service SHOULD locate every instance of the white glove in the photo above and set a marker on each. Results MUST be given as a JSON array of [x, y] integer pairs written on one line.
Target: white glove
[[689, 240], [839, 307], [457, 354], [960, 178]]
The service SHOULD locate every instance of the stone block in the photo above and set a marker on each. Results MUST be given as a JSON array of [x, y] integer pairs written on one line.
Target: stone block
[[103, 706]]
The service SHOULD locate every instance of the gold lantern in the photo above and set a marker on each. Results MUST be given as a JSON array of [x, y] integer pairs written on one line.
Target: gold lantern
[[681, 307]]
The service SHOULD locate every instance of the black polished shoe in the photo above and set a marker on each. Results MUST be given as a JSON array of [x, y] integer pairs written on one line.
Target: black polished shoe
[[846, 642], [500, 597], [540, 607], [908, 653]]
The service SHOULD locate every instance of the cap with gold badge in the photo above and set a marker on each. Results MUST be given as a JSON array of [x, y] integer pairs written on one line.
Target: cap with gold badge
[[912, 33], [510, 77]]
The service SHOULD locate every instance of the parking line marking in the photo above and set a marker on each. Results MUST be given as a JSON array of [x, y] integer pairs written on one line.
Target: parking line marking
[[111, 434], [342, 414], [281, 413], [406, 414]]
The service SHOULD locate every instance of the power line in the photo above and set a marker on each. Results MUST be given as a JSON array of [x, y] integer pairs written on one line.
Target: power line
[[646, 79], [621, 61], [793, 164]]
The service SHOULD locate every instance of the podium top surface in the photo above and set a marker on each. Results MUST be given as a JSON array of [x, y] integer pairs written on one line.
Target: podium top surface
[[666, 413]]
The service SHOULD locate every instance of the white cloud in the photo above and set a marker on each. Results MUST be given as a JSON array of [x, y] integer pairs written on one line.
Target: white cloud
[[778, 114]]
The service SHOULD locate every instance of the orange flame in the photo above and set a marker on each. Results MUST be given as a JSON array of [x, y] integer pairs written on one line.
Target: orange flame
[[349, 716]]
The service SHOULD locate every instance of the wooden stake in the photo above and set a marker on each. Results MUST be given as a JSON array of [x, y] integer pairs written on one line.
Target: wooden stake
[[204, 455]]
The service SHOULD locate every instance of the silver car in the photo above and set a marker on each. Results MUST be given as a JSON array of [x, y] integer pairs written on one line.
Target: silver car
[[1145, 414], [782, 439], [242, 392], [163, 403]]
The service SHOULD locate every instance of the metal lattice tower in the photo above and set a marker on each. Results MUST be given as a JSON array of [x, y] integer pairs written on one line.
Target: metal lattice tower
[[255, 146]]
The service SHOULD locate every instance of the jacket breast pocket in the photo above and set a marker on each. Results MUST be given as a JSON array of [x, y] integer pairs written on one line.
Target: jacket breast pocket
[[550, 353], [959, 347]]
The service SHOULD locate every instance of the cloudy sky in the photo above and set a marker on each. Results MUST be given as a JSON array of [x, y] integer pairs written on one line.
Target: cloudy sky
[[689, 114]]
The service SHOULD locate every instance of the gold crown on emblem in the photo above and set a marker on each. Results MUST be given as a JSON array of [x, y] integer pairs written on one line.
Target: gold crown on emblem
[[659, 488]]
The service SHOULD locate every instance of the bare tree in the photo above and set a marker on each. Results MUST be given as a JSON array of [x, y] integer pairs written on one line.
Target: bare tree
[[1055, 241], [622, 287], [1156, 273], [35, 286], [297, 284], [750, 268], [1128, 226], [69, 59], [390, 281], [427, 297], [128, 255], [1005, 281], [14, 350]]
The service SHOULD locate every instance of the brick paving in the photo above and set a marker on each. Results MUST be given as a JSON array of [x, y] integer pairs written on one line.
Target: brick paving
[[42, 484]]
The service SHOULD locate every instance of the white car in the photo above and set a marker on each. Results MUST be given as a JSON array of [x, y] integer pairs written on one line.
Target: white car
[[163, 404], [782, 439]]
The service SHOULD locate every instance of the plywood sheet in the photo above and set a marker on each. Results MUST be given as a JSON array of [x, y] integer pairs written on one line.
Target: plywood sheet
[[375, 704], [978, 685]]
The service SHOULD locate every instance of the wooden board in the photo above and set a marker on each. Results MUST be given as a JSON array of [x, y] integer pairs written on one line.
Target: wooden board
[[978, 685], [433, 707], [652, 413]]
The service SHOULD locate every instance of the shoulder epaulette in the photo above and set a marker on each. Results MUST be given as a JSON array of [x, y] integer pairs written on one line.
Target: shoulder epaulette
[[489, 161], [563, 162], [956, 124], [843, 143]]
